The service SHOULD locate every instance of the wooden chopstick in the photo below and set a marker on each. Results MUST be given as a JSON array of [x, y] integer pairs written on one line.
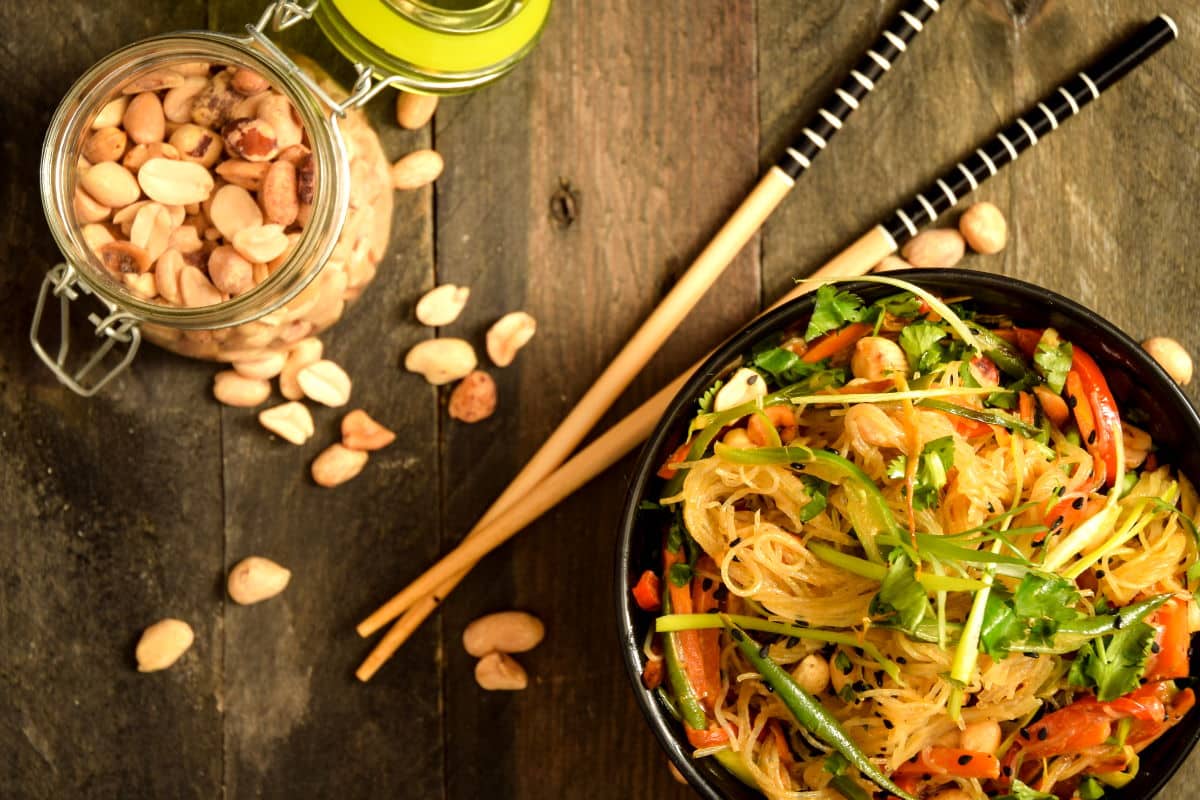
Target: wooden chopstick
[[925, 207], [745, 222]]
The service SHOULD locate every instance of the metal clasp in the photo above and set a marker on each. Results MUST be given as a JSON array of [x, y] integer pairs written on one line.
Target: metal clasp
[[283, 14], [115, 328]]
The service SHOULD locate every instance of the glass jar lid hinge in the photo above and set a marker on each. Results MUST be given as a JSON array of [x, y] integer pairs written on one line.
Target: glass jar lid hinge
[[117, 328]]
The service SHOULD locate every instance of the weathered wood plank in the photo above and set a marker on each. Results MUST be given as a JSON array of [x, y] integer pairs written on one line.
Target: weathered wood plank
[[112, 506], [296, 719], [654, 134]]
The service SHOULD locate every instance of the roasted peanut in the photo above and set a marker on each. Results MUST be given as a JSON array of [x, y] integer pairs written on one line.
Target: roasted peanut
[[280, 203], [337, 464], [212, 105], [942, 247], [111, 114], [175, 183], [255, 579], [246, 174], [743, 386], [229, 272], [414, 111], [812, 673], [249, 82], [474, 398], [144, 120], [290, 421], [265, 367], [87, 210], [497, 672], [166, 274], [195, 289], [1171, 356], [304, 352], [124, 258], [250, 139], [981, 737], [154, 81], [325, 382], [138, 155], [442, 305], [151, 229], [441, 361], [233, 389], [276, 111], [260, 243], [162, 644], [417, 169], [105, 144], [177, 103], [232, 209], [96, 236], [503, 632], [984, 228], [185, 239], [360, 432], [110, 184], [196, 144], [508, 335]]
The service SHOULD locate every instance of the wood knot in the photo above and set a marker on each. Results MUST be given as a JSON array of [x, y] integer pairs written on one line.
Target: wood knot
[[564, 204]]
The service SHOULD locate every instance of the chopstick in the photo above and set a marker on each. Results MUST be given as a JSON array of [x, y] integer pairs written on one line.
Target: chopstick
[[926, 206], [730, 239]]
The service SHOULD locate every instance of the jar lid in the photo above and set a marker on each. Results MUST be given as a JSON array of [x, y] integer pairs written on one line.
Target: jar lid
[[438, 46]]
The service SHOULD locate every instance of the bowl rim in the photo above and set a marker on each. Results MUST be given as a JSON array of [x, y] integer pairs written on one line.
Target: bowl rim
[[1115, 340]]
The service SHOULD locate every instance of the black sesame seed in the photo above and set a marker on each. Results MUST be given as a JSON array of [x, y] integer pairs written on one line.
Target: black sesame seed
[[792, 641], [1043, 734], [1072, 402], [1025, 734], [963, 760], [1155, 648], [991, 508], [736, 541], [737, 635], [1058, 523], [879, 677], [706, 585], [901, 660], [753, 379], [1077, 503], [1092, 437], [764, 650], [1100, 574], [860, 686], [1007, 772], [887, 723], [1118, 623]]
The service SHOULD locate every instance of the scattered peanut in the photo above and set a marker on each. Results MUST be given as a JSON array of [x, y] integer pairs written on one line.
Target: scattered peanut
[[106, 144], [360, 432], [474, 399], [812, 673], [290, 421], [877, 357], [941, 247], [743, 386], [195, 289], [110, 184], [162, 644], [441, 361], [414, 111], [337, 464], [264, 367], [144, 120], [233, 389], [508, 335], [87, 210], [1171, 356], [261, 243], [325, 382], [175, 183], [504, 632], [255, 579], [304, 352], [442, 305], [417, 169], [497, 672], [111, 114], [891, 263], [984, 228]]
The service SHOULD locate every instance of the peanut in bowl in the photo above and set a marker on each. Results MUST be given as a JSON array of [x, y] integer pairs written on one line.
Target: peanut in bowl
[[845, 556]]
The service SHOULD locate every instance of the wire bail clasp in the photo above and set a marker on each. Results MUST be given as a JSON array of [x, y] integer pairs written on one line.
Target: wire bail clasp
[[116, 328]]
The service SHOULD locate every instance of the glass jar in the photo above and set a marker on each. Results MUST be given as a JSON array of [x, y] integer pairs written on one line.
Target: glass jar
[[328, 262]]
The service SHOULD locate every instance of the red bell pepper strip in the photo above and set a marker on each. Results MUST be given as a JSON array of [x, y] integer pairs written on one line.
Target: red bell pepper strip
[[711, 736], [647, 593], [1106, 419], [1171, 658], [1024, 339], [833, 343], [698, 652], [671, 466], [952, 761]]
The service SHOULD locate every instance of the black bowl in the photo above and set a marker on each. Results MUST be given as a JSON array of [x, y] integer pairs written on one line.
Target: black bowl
[[1134, 377]]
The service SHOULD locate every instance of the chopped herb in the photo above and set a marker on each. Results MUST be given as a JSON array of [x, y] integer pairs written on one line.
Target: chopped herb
[[1052, 360], [650, 505], [920, 343], [1113, 664], [842, 662], [901, 601], [680, 574], [706, 400], [1020, 791], [783, 365], [834, 309], [818, 497], [937, 457]]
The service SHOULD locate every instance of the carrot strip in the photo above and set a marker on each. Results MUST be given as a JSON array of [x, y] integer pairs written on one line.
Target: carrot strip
[[952, 761], [833, 343], [1025, 407], [1171, 660], [671, 466]]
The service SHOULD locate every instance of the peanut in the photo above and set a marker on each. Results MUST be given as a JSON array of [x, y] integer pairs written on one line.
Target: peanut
[[229, 272], [246, 174], [325, 382], [304, 352], [162, 644], [87, 210], [111, 114], [812, 673], [192, 68], [232, 209], [474, 399], [249, 82], [413, 111], [877, 357], [175, 183], [250, 139], [141, 285], [276, 111], [941, 247], [144, 120], [497, 672], [196, 144], [981, 737], [290, 421], [984, 228], [154, 81], [442, 305], [105, 144], [124, 258], [212, 105], [337, 464], [1171, 356], [166, 275], [151, 229], [195, 289], [185, 239], [110, 184], [279, 199], [233, 389], [269, 365], [417, 169], [503, 632], [177, 103], [96, 236], [892, 263], [508, 335], [441, 361], [138, 155], [260, 243], [255, 579], [360, 432]]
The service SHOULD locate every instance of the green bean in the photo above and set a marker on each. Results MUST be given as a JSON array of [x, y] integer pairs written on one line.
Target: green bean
[[808, 712], [979, 415]]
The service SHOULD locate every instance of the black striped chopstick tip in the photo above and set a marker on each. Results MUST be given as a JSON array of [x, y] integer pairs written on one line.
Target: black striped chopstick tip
[[1042, 118]]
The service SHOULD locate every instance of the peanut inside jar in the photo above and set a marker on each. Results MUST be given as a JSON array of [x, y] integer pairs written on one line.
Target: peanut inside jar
[[195, 184]]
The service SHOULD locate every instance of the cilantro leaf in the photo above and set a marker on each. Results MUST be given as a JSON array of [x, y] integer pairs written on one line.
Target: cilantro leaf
[[818, 497], [900, 600], [1045, 601], [1113, 664], [783, 365], [905, 305], [1052, 359], [680, 574], [706, 400], [898, 467], [920, 343], [834, 309], [935, 461], [1001, 627], [1020, 791]]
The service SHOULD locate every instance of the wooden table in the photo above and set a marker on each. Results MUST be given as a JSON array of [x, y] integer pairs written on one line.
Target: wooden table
[[131, 506]]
